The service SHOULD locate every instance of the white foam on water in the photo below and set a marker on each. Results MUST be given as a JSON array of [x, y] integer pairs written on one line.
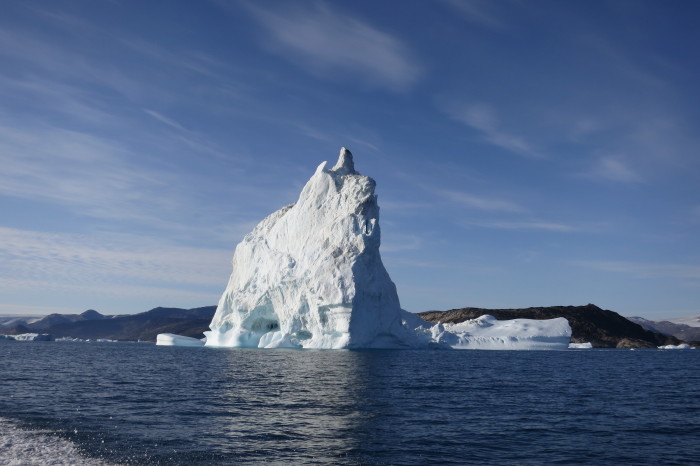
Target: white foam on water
[[26, 447]]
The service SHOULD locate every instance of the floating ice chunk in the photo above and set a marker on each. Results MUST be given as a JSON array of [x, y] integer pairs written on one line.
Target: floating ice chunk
[[586, 345], [29, 337], [170, 339], [488, 333], [681, 346]]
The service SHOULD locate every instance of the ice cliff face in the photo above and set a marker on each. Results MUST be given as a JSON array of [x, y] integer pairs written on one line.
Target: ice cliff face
[[310, 275]]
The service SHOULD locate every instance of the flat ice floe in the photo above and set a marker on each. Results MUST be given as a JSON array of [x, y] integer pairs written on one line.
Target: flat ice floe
[[487, 333], [170, 339], [310, 276], [586, 345]]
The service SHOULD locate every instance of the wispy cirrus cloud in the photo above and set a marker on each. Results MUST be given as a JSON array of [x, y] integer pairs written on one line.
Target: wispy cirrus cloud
[[613, 169], [331, 43], [396, 242], [31, 258], [486, 204], [483, 118], [74, 169], [526, 225], [168, 121], [646, 270], [99, 178], [481, 12]]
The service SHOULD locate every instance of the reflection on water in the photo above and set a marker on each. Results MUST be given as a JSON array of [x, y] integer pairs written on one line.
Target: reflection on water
[[285, 401]]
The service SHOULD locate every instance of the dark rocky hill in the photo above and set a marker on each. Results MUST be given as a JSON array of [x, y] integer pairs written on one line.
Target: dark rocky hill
[[15, 330], [602, 328], [53, 320]]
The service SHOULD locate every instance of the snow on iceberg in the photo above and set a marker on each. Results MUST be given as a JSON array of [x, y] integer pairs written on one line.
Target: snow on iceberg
[[170, 339], [310, 276]]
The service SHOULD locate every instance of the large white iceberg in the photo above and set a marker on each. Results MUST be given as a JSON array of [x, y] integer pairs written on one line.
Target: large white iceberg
[[310, 276]]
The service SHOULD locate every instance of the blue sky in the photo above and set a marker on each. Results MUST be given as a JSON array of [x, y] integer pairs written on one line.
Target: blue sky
[[526, 153]]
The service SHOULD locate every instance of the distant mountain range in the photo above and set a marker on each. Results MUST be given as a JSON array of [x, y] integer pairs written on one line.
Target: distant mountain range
[[602, 328], [666, 327], [92, 325]]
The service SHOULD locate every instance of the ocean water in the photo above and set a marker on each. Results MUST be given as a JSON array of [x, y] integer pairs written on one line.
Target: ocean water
[[130, 403]]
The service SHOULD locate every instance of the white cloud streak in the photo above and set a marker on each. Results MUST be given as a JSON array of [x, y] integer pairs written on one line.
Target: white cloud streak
[[331, 43], [646, 270], [481, 203], [112, 263], [483, 118], [478, 11], [526, 225], [163, 119], [613, 169], [81, 171]]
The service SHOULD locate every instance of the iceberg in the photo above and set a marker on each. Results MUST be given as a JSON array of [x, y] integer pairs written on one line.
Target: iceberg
[[586, 345], [170, 339], [310, 276], [488, 333], [28, 337], [680, 346]]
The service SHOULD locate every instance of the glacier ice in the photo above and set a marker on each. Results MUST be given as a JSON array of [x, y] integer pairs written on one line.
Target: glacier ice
[[310, 276]]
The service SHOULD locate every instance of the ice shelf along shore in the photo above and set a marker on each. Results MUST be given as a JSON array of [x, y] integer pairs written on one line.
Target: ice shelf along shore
[[310, 276]]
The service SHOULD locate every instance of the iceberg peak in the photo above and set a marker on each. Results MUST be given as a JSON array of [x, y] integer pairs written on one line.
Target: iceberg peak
[[345, 165]]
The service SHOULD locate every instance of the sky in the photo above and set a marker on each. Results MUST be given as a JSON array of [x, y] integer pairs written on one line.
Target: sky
[[526, 153]]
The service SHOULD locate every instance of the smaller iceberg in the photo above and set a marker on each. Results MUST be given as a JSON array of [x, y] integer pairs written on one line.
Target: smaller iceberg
[[681, 346], [586, 345], [28, 337], [488, 333], [170, 339]]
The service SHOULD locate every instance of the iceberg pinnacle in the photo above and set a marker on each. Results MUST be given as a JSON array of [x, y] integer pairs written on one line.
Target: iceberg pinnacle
[[310, 276], [345, 165]]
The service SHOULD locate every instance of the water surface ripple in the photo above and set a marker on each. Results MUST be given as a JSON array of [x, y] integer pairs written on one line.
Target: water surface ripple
[[124, 403]]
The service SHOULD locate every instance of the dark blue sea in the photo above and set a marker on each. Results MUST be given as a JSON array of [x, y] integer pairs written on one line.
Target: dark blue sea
[[131, 403]]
